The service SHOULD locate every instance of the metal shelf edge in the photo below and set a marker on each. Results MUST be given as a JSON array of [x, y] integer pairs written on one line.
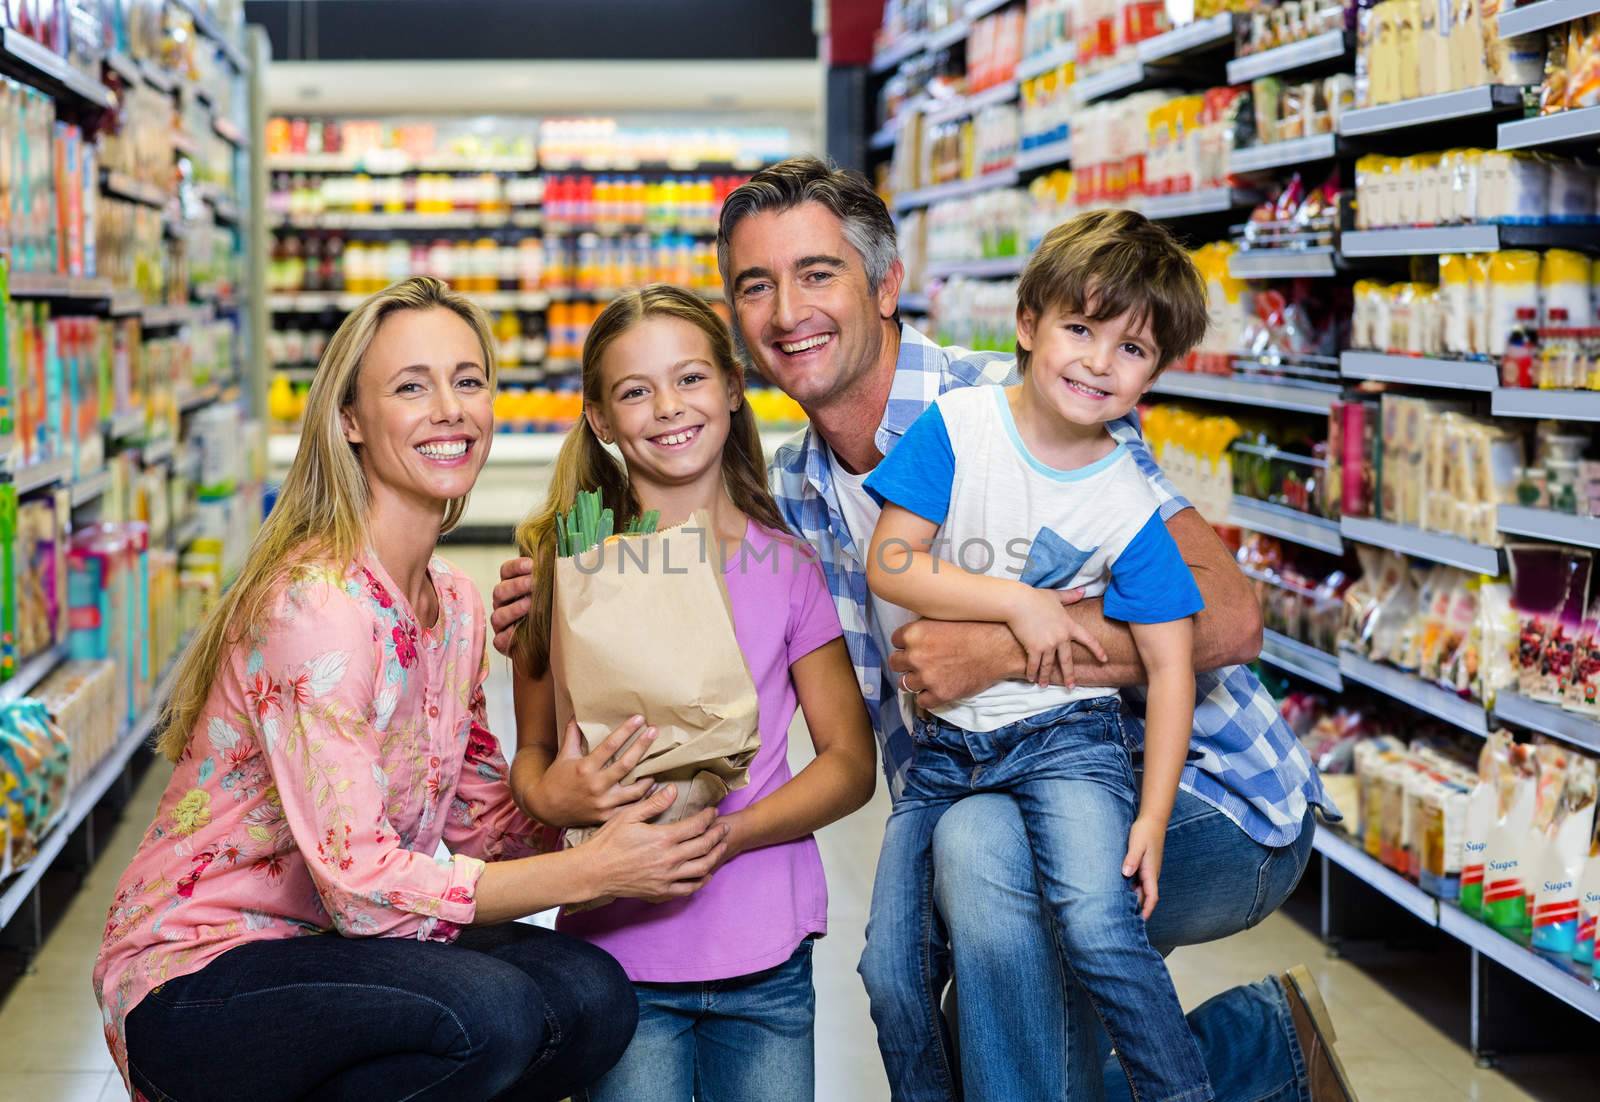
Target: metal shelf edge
[[1475, 375], [1343, 852], [1437, 547], [1419, 694], [1549, 719]]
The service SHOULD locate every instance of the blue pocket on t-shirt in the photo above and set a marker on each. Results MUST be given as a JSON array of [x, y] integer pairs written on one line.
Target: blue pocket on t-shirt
[[1053, 562]]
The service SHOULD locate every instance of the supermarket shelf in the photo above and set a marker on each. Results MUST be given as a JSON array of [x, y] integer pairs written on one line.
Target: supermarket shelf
[[1581, 125], [191, 400], [1328, 46], [163, 317], [315, 302], [126, 187], [896, 52], [124, 66], [393, 162], [224, 208], [83, 800], [1409, 689], [157, 77], [1286, 524], [1030, 67], [1248, 392], [1337, 847], [913, 303], [1562, 405], [1202, 34], [948, 35], [998, 268], [123, 425], [50, 285], [1190, 204], [1433, 546], [1058, 152], [960, 108], [30, 673], [35, 64], [1296, 151], [204, 24], [1282, 263], [1564, 983], [1108, 82], [228, 132], [36, 476], [1423, 242], [1484, 100], [1419, 370], [884, 137], [156, 451], [392, 220], [1546, 13], [90, 488], [1314, 665], [977, 9], [1549, 719], [922, 197], [1546, 524]]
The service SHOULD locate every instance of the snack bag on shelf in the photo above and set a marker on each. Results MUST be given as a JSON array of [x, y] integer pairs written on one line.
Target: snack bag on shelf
[[1563, 846], [1483, 808], [1508, 855], [1588, 901], [1488, 663], [1583, 63], [1371, 758], [1441, 828], [1549, 591]]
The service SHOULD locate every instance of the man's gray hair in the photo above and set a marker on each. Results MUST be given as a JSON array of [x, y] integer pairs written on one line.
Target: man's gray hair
[[787, 184]]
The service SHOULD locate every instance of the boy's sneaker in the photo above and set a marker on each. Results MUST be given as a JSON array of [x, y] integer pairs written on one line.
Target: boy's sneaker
[[1314, 1028]]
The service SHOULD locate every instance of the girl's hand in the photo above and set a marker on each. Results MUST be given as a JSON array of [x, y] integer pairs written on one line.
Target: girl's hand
[[1041, 624], [1146, 842], [633, 859], [581, 789]]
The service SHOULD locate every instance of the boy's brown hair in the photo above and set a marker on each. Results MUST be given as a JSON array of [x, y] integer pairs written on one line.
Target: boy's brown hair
[[1108, 262]]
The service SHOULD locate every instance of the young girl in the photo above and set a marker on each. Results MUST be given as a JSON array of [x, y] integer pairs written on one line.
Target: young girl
[[724, 976]]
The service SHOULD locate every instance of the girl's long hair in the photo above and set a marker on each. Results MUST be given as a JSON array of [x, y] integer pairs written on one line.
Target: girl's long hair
[[585, 464], [321, 512]]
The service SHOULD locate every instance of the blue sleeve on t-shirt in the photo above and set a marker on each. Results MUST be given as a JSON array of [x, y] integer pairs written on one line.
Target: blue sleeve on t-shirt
[[1150, 582], [918, 474]]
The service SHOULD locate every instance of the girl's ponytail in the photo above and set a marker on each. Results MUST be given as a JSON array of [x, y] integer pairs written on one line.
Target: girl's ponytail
[[582, 464]]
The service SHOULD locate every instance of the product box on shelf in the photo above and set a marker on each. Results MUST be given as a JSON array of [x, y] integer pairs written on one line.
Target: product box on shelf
[[81, 697]]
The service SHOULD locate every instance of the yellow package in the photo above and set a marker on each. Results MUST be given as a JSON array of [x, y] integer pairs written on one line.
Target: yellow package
[[1467, 45], [1565, 280], [1408, 22], [1513, 298]]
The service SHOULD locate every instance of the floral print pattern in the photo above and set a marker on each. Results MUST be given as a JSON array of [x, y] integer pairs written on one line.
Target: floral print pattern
[[338, 749]]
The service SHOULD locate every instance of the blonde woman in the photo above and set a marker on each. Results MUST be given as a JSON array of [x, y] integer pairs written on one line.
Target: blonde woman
[[285, 929]]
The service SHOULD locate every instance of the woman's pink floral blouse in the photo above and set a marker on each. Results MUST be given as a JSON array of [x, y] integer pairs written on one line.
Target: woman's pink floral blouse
[[336, 751]]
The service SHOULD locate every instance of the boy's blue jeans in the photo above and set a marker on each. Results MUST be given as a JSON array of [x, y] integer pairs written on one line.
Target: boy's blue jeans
[[1069, 772], [750, 1037]]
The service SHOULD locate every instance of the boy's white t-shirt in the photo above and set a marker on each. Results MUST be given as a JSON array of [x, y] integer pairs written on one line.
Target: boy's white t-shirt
[[1002, 512], [860, 512]]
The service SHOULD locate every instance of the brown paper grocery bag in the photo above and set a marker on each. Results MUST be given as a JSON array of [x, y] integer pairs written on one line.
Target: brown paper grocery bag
[[642, 625]]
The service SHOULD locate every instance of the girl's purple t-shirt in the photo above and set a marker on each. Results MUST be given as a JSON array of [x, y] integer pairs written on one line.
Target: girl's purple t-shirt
[[760, 906]]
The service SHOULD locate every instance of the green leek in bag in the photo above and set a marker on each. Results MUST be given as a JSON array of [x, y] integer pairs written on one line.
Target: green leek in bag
[[587, 525]]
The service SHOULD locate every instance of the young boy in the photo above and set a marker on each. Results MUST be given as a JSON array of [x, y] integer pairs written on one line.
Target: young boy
[[1026, 493]]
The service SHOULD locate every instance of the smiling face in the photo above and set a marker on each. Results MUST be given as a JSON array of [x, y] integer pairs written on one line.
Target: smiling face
[[423, 414], [1087, 372], [665, 403], [801, 299]]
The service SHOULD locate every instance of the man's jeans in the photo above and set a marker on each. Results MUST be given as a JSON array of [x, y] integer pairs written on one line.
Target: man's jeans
[[1027, 1032], [1067, 770], [734, 1040]]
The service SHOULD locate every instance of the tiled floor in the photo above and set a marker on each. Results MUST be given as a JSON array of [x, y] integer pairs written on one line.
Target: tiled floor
[[51, 1046]]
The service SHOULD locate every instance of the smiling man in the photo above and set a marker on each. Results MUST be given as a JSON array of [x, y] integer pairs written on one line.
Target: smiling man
[[811, 266]]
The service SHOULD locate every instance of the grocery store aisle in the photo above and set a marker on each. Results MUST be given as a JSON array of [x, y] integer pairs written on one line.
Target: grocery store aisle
[[51, 1045]]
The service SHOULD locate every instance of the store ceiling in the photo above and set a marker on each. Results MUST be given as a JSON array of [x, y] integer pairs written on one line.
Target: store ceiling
[[556, 30]]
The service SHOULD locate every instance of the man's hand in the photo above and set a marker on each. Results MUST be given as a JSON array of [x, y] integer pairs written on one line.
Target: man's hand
[[943, 662], [512, 601]]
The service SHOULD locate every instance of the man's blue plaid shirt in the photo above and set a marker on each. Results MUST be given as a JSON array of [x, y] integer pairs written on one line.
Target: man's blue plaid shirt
[[1244, 760]]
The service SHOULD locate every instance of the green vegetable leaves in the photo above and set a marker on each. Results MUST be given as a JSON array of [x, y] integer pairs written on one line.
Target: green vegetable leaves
[[587, 525]]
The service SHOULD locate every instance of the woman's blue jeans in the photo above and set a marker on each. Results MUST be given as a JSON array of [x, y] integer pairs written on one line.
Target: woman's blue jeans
[[512, 1011]]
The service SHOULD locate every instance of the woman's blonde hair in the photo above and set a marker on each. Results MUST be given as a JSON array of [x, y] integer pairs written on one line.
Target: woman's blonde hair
[[321, 512], [585, 464]]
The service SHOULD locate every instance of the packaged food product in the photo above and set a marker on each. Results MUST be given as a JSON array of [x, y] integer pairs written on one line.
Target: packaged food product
[[1513, 297], [1563, 845], [1570, 195], [1583, 63], [1508, 855], [1588, 901]]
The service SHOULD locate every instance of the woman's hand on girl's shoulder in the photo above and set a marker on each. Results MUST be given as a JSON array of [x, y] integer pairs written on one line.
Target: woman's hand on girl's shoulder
[[582, 789]]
